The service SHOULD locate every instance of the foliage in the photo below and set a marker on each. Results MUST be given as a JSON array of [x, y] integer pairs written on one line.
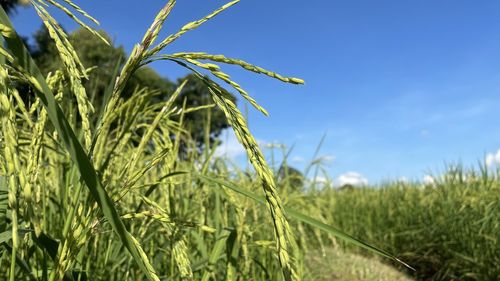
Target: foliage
[[195, 94], [93, 53], [83, 196], [103, 57], [10, 5], [292, 177], [80, 194], [447, 230]]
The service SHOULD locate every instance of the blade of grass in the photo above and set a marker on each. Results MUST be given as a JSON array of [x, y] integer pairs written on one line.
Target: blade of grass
[[19, 261], [306, 219], [107, 95], [216, 252], [75, 149]]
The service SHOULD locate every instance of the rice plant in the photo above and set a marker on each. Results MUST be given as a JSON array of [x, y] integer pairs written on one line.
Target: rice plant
[[447, 230], [110, 199]]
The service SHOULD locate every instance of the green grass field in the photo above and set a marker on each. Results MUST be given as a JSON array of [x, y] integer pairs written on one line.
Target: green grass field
[[446, 231], [122, 193]]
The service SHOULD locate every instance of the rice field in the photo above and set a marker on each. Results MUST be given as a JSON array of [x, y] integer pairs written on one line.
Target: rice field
[[448, 230], [103, 192]]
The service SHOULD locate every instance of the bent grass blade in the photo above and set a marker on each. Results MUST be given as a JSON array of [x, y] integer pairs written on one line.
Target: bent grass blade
[[75, 149], [306, 219]]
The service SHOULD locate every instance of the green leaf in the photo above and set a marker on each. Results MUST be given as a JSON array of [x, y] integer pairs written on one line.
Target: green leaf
[[22, 263], [75, 149], [216, 252], [3, 204], [5, 236], [306, 219]]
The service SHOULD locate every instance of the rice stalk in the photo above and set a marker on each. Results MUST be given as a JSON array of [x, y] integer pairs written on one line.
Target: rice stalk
[[9, 133], [75, 18], [131, 65], [238, 124], [188, 27], [78, 154], [74, 68], [232, 61], [215, 70], [152, 127]]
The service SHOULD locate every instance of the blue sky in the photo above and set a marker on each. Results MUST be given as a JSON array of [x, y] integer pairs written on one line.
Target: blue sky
[[398, 87]]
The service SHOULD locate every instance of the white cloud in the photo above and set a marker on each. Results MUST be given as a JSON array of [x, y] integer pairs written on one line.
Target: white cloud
[[493, 159], [328, 158], [230, 147], [320, 179], [429, 180], [271, 145], [403, 180], [297, 159], [352, 178]]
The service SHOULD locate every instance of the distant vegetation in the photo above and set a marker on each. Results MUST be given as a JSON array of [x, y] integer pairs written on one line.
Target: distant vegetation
[[448, 230], [108, 172], [104, 58]]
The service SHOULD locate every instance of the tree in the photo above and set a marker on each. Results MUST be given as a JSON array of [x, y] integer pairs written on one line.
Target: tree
[[195, 93], [94, 52], [10, 5], [291, 176]]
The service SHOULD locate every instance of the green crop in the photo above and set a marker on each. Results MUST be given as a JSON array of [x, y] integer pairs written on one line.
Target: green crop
[[112, 199]]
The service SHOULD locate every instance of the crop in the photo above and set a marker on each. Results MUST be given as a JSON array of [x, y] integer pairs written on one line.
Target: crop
[[104, 195], [447, 230]]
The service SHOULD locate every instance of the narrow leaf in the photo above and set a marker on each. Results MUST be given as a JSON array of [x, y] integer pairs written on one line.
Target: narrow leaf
[[306, 219], [76, 151]]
